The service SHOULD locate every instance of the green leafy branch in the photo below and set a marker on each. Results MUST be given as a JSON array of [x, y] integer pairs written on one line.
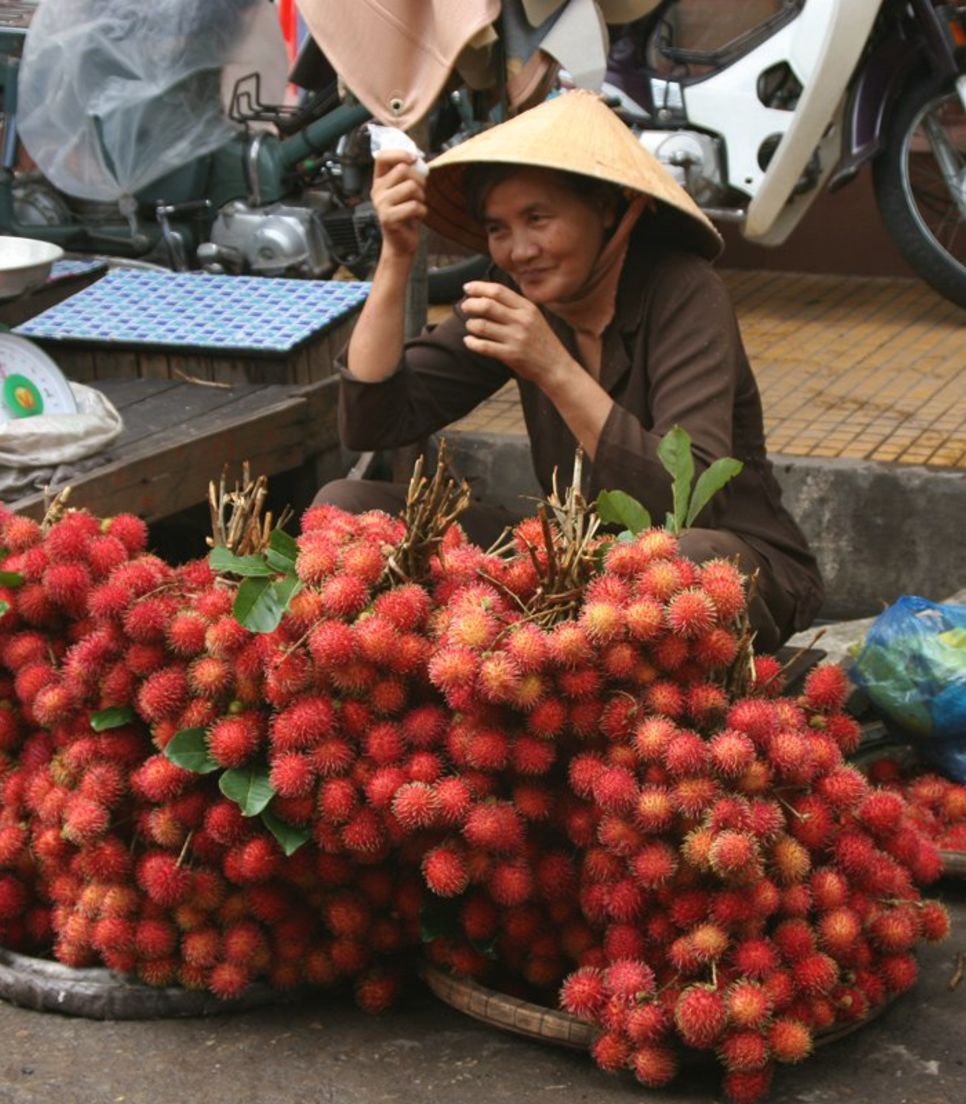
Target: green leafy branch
[[249, 787], [269, 582], [688, 497]]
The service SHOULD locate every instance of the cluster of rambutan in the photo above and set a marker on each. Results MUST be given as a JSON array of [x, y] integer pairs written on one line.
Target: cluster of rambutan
[[740, 887], [111, 852], [937, 805], [564, 767]]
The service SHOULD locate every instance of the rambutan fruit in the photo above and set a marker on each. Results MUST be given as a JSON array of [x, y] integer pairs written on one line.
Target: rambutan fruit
[[228, 980], [686, 755], [67, 586], [691, 613], [644, 619], [843, 788], [303, 724], [602, 620], [163, 694], [933, 921], [444, 871], [789, 1040], [510, 882], [255, 860], [654, 863], [894, 930], [715, 648], [531, 755], [789, 861], [364, 834], [568, 645], [853, 851], [735, 855], [815, 974], [664, 697], [756, 958], [292, 774], [839, 930], [163, 879], [731, 753], [84, 820], [615, 789], [747, 1086], [826, 688], [611, 1052], [700, 1016], [652, 1064], [415, 805], [812, 821], [494, 827], [749, 1006], [898, 971], [654, 811], [670, 654], [159, 780], [583, 993], [743, 1051]]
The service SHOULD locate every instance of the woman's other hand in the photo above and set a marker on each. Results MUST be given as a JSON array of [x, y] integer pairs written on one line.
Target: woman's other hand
[[504, 325], [399, 197]]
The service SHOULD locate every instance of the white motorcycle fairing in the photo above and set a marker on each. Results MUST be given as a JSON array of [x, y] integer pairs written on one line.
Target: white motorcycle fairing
[[821, 46]]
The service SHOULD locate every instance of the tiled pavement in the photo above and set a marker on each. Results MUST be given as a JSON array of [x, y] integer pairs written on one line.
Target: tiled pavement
[[849, 367]]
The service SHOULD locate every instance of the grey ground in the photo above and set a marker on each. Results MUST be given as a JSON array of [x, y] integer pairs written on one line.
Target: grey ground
[[323, 1051]]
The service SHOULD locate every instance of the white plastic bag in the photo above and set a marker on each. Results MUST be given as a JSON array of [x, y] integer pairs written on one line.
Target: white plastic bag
[[32, 449], [113, 96]]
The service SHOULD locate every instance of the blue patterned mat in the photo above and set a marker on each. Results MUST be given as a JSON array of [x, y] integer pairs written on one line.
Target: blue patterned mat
[[196, 311]]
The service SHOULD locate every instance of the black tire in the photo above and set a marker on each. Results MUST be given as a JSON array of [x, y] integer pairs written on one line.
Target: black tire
[[445, 284], [917, 206]]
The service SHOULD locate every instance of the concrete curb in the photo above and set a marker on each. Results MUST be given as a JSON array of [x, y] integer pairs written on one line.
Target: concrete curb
[[878, 530]]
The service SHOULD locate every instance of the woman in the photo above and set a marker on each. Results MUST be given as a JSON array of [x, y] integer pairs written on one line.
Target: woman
[[602, 305]]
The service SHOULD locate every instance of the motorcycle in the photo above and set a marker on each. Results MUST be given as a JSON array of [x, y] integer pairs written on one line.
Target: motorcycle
[[169, 142], [757, 110]]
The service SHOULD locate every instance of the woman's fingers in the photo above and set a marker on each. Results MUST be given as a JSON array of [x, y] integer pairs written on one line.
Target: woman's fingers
[[485, 289]]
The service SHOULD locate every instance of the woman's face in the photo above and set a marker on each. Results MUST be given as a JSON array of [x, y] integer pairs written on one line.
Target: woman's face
[[543, 234]]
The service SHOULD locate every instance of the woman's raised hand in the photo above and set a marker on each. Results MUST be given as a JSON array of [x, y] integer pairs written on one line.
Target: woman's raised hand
[[503, 324], [399, 197]]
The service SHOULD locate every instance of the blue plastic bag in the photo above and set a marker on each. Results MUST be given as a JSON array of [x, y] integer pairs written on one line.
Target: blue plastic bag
[[912, 667]]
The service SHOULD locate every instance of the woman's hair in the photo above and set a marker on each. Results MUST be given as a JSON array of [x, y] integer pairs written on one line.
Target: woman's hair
[[481, 178]]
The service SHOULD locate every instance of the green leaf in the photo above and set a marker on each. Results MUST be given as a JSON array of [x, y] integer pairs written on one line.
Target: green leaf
[[282, 552], [260, 603], [289, 837], [710, 481], [618, 508], [674, 452], [112, 718], [4, 606], [439, 918], [189, 749], [222, 560], [248, 787], [11, 578]]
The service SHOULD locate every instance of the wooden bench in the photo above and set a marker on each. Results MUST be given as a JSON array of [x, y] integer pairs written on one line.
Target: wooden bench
[[178, 436]]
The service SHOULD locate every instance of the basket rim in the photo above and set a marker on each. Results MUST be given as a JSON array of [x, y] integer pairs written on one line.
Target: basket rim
[[549, 1025]]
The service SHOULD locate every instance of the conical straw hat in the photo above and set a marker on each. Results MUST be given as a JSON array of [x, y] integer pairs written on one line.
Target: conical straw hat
[[573, 132]]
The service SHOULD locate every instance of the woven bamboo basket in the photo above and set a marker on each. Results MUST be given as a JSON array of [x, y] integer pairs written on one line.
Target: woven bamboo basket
[[954, 862], [546, 1025]]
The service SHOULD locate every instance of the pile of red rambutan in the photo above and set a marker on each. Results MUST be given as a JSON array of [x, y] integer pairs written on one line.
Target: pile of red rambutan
[[937, 805], [581, 783]]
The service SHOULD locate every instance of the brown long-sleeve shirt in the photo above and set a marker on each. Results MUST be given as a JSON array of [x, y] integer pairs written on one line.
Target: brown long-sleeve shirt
[[672, 355]]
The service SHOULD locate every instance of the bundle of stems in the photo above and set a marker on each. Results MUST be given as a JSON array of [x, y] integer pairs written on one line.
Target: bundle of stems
[[238, 518]]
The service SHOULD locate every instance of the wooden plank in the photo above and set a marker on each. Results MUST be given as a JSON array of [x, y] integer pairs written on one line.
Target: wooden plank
[[169, 472], [124, 392], [115, 363], [154, 366]]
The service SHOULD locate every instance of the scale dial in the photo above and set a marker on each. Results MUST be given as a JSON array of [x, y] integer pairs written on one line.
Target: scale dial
[[30, 382]]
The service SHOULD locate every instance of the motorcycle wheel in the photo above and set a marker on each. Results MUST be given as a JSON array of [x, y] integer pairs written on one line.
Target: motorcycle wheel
[[445, 282], [920, 185]]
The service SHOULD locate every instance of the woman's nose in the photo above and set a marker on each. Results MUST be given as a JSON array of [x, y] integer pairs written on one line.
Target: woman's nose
[[522, 247]]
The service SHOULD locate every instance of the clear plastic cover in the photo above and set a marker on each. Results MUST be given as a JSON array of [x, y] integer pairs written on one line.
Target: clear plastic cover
[[114, 94]]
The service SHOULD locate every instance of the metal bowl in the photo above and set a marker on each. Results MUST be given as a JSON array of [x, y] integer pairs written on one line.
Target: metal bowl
[[25, 264]]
